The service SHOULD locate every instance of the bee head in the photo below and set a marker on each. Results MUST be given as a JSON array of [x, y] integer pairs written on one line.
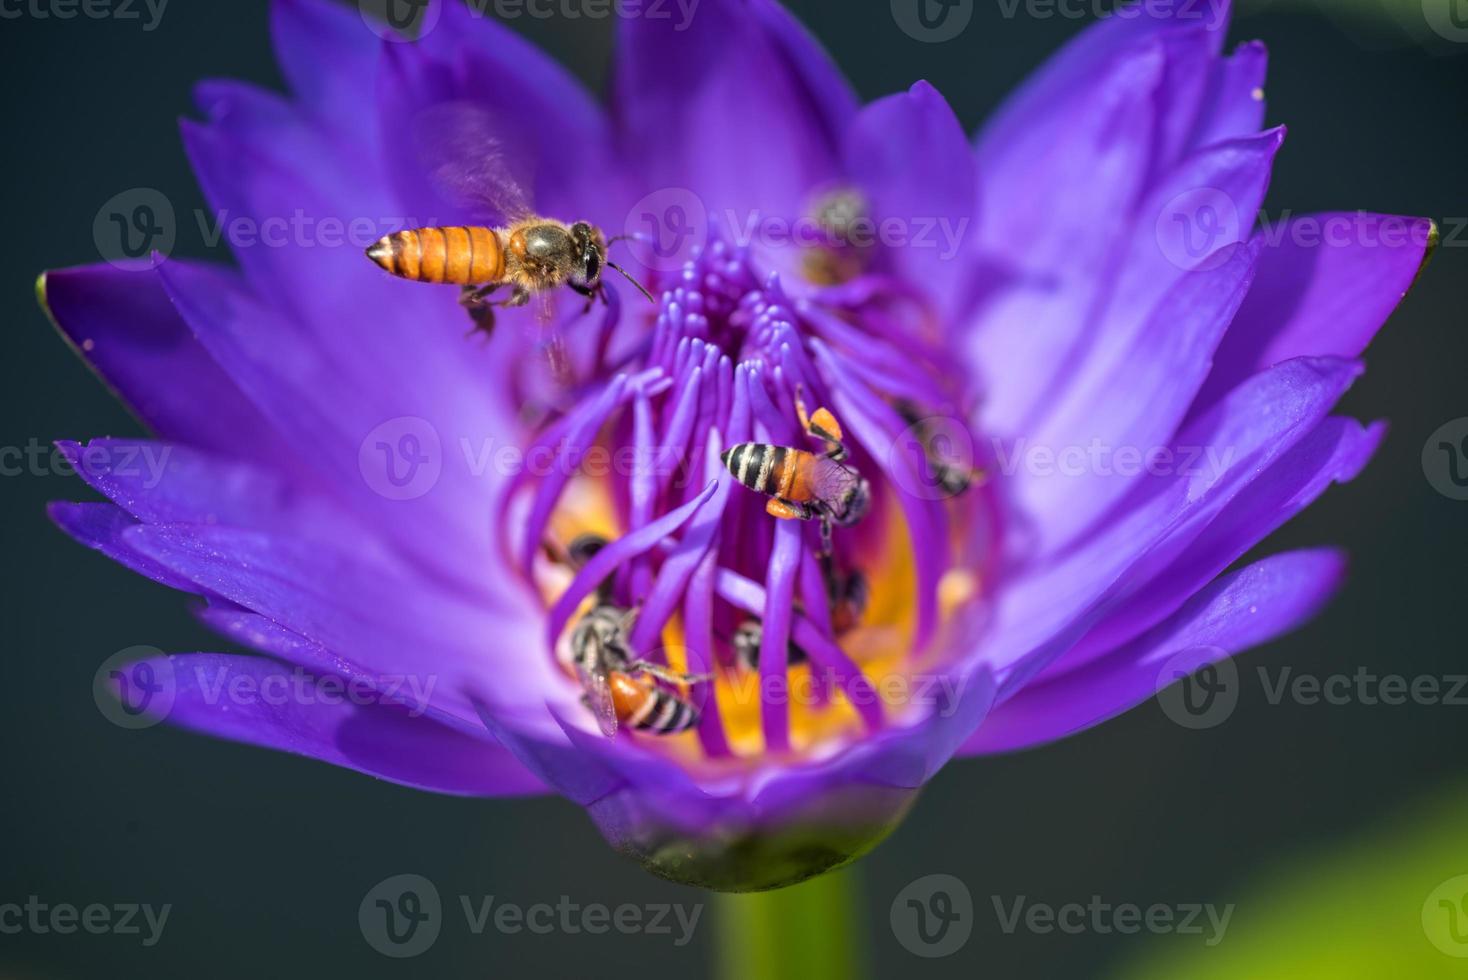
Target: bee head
[[589, 254], [853, 504]]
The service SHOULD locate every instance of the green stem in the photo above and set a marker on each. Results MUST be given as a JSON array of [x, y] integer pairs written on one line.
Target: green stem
[[808, 931]]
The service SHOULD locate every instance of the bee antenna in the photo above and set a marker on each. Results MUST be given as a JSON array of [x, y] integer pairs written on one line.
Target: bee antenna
[[626, 275], [619, 238]]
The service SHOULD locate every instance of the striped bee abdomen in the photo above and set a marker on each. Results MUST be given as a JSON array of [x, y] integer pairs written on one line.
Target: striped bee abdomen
[[646, 707], [454, 254], [770, 470]]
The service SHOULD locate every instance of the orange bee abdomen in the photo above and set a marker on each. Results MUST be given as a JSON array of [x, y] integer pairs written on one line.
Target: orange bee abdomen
[[776, 471], [454, 254], [642, 705]]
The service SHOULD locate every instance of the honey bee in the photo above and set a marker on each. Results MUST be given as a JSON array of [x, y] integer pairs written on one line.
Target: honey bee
[[533, 255], [950, 474], [840, 214], [803, 485], [847, 595], [618, 687], [479, 171]]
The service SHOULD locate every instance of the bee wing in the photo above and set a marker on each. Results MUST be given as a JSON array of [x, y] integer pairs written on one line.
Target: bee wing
[[472, 165], [598, 690]]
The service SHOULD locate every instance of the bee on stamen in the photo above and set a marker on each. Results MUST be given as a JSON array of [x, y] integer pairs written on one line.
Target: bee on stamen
[[803, 485], [620, 688], [847, 595], [947, 470]]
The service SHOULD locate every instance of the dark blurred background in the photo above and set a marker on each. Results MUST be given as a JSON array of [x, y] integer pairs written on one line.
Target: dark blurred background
[[264, 857]]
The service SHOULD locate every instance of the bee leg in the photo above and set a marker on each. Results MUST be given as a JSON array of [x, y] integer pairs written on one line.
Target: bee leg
[[787, 510], [589, 292], [475, 299], [822, 425], [825, 534], [664, 674]]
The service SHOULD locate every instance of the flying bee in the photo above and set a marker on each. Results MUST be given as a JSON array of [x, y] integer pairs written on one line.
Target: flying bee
[[480, 172], [803, 485], [533, 255], [948, 470], [621, 688]]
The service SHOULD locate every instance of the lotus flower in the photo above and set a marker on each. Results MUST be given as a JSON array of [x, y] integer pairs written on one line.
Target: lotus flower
[[1078, 399]]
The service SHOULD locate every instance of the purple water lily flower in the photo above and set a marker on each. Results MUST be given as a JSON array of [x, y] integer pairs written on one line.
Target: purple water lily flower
[[1078, 381]]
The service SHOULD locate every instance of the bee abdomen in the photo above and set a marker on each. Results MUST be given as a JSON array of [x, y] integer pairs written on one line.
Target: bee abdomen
[[764, 469], [453, 254], [664, 714]]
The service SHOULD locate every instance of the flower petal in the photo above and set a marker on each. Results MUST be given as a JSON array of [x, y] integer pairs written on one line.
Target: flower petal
[[1241, 610], [1334, 453], [122, 323], [102, 527], [1045, 611], [909, 155], [373, 613], [261, 702], [733, 102], [1159, 370], [1326, 284]]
